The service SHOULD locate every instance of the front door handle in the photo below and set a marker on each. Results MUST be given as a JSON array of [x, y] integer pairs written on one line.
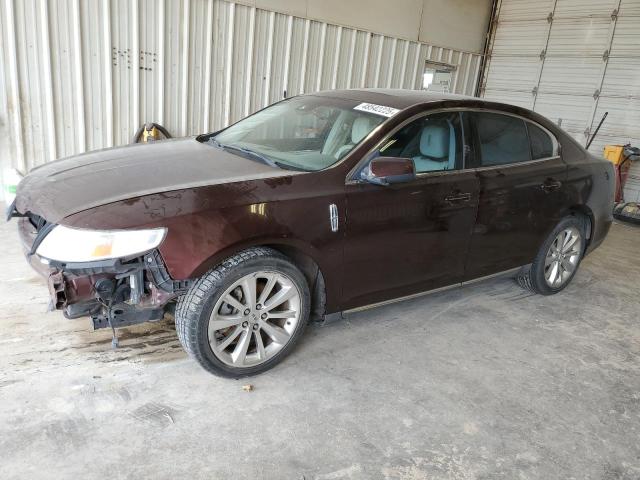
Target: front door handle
[[550, 185], [457, 197]]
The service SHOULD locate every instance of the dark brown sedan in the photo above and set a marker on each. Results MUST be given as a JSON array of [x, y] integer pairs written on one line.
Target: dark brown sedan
[[316, 205]]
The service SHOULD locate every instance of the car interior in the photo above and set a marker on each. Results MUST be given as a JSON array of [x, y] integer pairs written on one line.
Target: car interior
[[359, 129], [433, 142], [503, 139]]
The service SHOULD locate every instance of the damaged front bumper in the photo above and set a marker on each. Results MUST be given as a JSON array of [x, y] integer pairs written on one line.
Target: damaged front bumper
[[115, 292]]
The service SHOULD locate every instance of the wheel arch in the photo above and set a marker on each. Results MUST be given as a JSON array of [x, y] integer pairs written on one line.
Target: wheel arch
[[587, 214], [304, 256], [579, 211], [312, 272]]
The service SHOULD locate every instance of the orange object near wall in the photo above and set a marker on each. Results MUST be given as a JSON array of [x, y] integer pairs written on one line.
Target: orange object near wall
[[615, 154]]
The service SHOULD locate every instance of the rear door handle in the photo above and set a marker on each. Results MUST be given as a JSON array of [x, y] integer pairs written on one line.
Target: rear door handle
[[457, 197], [551, 185]]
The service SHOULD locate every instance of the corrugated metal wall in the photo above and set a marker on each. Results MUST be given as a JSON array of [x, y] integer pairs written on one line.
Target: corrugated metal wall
[[571, 60], [84, 74]]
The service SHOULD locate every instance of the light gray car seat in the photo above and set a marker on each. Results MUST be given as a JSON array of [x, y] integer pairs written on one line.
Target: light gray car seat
[[437, 148], [360, 128]]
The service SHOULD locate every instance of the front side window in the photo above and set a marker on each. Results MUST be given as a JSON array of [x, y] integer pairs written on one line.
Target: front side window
[[541, 142], [502, 139], [434, 142], [304, 133]]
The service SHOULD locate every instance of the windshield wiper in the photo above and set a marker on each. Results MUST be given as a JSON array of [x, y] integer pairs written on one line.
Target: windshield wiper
[[214, 142], [246, 151], [265, 159]]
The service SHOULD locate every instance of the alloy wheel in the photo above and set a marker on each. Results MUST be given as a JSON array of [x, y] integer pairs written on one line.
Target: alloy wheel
[[563, 257], [254, 318]]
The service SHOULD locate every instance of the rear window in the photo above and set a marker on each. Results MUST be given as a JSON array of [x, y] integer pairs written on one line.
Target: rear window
[[541, 143], [503, 139]]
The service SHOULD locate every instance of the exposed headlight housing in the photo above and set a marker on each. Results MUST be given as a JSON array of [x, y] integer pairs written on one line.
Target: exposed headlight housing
[[70, 245]]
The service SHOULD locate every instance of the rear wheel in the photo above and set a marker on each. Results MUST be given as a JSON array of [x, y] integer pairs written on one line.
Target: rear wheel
[[246, 315], [558, 259]]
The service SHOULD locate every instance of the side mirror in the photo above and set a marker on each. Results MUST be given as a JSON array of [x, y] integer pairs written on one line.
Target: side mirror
[[389, 170]]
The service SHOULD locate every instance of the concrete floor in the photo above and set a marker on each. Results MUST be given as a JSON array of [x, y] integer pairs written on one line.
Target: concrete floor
[[483, 382]]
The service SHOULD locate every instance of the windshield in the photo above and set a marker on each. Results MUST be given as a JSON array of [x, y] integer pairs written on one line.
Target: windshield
[[303, 133]]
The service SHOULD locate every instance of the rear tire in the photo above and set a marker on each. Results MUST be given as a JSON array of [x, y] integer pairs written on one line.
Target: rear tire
[[557, 260], [246, 315]]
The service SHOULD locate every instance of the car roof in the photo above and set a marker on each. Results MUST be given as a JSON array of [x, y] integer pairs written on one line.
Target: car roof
[[392, 97], [403, 99]]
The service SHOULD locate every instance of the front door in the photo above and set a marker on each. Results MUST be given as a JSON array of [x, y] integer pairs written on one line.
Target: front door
[[411, 237], [522, 192]]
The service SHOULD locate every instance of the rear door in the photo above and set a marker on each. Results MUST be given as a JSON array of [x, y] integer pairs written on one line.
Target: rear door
[[522, 191], [411, 237]]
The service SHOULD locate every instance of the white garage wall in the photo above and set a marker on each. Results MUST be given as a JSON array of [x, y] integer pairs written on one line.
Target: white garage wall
[[80, 75], [571, 60]]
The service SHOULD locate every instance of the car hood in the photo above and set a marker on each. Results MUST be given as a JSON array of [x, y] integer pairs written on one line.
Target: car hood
[[64, 187]]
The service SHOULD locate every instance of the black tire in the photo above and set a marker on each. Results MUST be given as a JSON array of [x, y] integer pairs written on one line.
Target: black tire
[[194, 308], [532, 277]]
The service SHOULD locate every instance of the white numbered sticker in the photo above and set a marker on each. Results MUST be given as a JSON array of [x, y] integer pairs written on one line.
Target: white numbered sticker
[[377, 109]]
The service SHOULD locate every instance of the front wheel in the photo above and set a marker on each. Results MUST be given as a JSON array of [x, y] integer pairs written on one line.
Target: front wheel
[[244, 316], [558, 259]]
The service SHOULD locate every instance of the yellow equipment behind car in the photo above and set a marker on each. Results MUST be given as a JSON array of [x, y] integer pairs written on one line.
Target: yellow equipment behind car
[[150, 132], [621, 156], [614, 153]]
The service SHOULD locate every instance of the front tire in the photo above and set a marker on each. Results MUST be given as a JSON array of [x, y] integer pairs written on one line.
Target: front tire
[[244, 316], [557, 260]]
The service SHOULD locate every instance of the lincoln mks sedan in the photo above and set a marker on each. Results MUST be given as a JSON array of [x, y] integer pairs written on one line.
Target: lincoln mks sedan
[[312, 207]]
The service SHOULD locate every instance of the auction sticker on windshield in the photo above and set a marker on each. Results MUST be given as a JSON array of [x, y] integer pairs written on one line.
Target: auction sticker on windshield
[[377, 109]]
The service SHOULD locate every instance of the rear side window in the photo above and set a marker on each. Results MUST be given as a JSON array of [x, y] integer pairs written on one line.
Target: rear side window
[[541, 143], [502, 139]]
